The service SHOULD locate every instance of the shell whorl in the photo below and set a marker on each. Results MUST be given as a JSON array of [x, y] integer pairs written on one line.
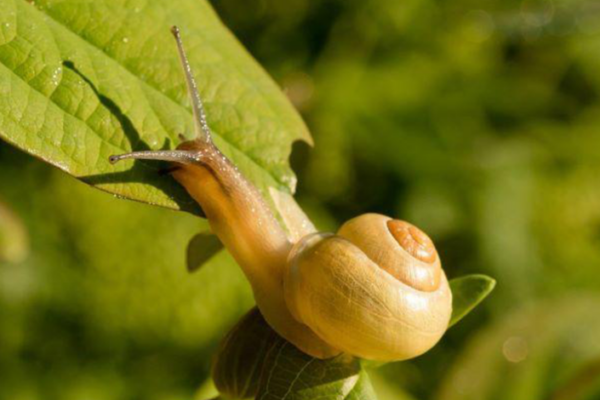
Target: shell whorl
[[399, 248], [413, 240]]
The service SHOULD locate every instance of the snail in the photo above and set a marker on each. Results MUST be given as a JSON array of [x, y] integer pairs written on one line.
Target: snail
[[374, 290]]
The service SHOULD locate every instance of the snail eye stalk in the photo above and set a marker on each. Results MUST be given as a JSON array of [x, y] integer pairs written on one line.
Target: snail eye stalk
[[177, 156], [202, 130]]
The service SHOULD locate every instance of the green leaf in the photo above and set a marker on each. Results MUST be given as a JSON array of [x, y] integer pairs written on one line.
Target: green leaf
[[80, 81], [292, 375], [467, 292], [201, 248], [241, 356], [254, 361]]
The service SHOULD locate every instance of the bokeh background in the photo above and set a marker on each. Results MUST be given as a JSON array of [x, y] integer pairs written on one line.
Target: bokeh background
[[479, 121]]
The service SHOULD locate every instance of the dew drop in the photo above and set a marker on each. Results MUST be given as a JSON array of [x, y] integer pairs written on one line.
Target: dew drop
[[153, 142], [56, 75]]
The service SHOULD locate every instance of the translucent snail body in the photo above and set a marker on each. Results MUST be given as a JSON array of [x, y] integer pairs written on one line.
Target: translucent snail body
[[375, 290]]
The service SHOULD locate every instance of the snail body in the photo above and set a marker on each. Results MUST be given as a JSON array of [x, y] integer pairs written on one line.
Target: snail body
[[375, 290]]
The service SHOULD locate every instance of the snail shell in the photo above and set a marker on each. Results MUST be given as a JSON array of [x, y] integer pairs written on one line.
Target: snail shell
[[366, 293]]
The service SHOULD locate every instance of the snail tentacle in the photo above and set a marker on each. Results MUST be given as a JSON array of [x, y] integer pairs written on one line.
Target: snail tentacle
[[176, 156], [202, 129]]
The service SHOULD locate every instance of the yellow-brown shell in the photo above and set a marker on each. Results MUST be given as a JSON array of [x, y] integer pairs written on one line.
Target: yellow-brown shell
[[364, 292]]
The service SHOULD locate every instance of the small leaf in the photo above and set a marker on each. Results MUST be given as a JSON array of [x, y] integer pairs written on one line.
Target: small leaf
[[241, 356], [201, 249], [293, 375], [467, 292], [253, 360]]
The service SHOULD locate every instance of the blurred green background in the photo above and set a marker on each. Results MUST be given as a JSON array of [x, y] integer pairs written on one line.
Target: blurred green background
[[477, 121]]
